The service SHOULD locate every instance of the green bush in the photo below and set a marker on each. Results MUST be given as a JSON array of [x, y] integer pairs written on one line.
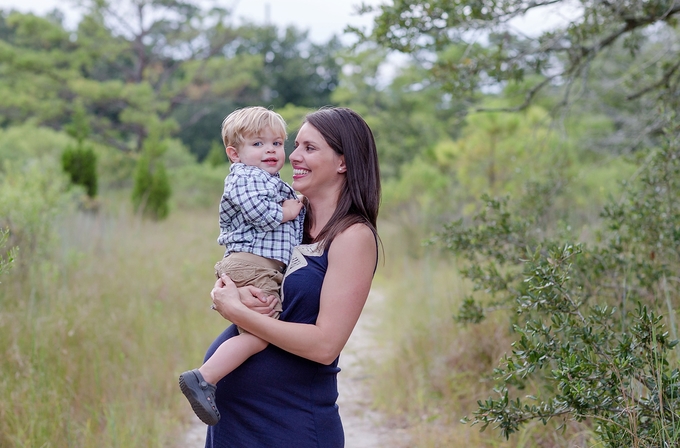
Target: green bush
[[151, 191], [594, 325], [32, 197], [16, 148], [81, 166], [80, 161]]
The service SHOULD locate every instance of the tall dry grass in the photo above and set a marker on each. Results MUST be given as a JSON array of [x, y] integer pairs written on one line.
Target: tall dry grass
[[94, 336], [435, 369]]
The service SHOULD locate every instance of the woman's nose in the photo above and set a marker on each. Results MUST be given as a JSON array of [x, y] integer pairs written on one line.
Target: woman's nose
[[293, 156]]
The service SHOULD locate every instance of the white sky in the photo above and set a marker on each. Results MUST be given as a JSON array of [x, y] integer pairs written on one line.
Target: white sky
[[322, 18]]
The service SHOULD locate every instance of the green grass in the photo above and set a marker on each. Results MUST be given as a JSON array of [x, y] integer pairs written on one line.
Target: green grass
[[95, 335]]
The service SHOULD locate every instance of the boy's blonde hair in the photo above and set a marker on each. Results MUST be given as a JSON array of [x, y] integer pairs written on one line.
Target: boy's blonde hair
[[250, 121]]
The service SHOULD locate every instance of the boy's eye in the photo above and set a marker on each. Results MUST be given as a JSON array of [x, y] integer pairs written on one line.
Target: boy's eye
[[257, 144]]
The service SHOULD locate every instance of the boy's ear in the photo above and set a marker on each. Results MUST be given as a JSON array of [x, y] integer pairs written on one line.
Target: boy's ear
[[342, 168], [232, 154]]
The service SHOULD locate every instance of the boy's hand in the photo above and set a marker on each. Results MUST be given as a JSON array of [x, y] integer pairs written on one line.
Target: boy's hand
[[291, 208], [257, 300]]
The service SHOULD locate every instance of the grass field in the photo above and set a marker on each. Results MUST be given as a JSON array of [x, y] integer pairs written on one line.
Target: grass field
[[95, 334]]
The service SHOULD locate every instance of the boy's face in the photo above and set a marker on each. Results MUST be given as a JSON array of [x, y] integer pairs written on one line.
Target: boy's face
[[264, 150]]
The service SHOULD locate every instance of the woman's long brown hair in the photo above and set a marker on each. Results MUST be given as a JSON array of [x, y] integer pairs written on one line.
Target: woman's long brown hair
[[348, 134]]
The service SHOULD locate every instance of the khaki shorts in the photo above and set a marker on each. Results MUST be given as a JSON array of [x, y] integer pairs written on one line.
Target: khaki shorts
[[248, 269]]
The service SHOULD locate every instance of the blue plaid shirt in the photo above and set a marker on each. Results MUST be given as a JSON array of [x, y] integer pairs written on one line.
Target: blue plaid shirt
[[251, 214]]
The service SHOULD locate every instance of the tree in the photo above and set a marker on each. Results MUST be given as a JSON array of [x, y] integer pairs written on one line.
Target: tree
[[166, 54], [409, 115], [296, 70], [282, 68], [36, 64], [479, 44], [133, 62], [129, 63]]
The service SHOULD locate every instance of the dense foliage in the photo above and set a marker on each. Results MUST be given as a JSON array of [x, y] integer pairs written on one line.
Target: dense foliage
[[589, 318]]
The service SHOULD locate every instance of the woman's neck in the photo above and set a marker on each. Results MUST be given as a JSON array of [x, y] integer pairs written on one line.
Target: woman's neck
[[323, 208]]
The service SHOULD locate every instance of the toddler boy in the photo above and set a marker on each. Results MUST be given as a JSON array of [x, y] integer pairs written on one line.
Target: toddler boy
[[260, 223]]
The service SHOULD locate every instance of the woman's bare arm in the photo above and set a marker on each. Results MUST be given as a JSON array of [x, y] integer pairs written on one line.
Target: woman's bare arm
[[351, 263]]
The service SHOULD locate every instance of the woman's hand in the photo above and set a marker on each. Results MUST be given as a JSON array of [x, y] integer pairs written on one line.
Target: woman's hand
[[228, 299], [225, 296]]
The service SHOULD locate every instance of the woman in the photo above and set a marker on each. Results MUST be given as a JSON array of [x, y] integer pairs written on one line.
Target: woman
[[285, 396]]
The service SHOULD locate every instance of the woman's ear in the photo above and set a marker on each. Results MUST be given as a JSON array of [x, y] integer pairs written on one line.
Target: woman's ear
[[232, 154], [342, 168]]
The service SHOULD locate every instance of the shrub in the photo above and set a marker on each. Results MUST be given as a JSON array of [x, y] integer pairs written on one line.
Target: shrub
[[151, 192], [80, 161], [588, 323], [81, 166], [32, 197]]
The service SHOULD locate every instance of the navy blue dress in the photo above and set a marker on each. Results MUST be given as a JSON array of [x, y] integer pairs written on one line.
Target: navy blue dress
[[276, 399]]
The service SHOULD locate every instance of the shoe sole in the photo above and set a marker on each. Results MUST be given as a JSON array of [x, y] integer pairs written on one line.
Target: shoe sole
[[189, 384]]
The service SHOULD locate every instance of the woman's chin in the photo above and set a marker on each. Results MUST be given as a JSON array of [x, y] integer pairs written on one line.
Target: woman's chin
[[298, 185]]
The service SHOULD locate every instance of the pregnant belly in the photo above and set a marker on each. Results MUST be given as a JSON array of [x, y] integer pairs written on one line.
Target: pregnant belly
[[278, 399]]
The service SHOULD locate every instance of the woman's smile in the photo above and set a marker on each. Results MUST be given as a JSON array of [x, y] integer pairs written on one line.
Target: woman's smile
[[299, 172]]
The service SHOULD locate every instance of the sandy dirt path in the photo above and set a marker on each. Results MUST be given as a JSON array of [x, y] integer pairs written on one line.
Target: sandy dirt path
[[364, 428]]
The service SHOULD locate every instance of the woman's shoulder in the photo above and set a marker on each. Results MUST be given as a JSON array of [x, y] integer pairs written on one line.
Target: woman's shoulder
[[356, 247], [356, 236], [357, 230]]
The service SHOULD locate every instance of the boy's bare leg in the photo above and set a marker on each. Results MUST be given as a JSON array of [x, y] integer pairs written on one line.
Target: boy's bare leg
[[229, 355]]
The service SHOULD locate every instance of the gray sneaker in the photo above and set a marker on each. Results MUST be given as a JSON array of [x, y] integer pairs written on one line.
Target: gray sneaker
[[201, 396]]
